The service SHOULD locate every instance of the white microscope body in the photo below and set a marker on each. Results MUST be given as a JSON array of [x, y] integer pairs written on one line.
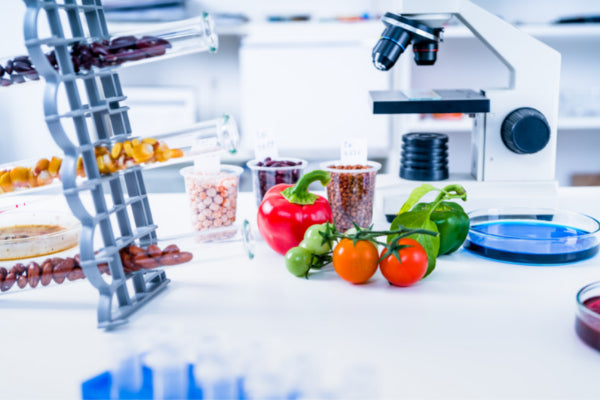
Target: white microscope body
[[534, 70]]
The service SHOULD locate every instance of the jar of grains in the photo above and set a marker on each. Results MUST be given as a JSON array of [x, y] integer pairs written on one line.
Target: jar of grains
[[351, 192]]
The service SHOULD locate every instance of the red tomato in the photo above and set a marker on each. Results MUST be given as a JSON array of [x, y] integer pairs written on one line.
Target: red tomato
[[355, 264], [411, 267]]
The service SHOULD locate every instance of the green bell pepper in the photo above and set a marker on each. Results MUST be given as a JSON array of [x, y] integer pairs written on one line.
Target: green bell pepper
[[452, 223]]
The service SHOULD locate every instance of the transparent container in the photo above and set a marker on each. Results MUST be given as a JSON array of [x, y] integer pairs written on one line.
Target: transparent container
[[533, 235], [587, 322], [164, 40], [270, 172], [26, 234], [212, 196], [119, 154], [351, 193], [35, 272]]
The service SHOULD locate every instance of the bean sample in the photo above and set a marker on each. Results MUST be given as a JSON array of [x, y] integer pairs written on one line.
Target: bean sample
[[133, 258], [212, 197], [350, 193], [99, 54], [269, 172]]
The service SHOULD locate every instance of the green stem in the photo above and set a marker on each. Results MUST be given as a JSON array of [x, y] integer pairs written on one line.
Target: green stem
[[369, 235], [299, 194], [454, 191]]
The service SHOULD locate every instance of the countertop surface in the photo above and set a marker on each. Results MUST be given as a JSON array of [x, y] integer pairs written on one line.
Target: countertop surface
[[475, 328]]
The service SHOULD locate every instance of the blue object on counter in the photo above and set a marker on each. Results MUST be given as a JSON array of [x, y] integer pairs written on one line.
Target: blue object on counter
[[100, 387], [531, 239]]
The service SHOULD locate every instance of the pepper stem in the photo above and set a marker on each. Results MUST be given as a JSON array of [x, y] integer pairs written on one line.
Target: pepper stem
[[299, 194], [454, 191]]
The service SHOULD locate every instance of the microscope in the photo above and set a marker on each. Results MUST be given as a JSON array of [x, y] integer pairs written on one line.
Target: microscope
[[514, 131]]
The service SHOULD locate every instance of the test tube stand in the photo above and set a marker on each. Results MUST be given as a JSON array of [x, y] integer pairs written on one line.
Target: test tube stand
[[108, 119]]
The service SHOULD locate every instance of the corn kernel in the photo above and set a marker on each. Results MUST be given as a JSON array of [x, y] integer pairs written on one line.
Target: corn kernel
[[5, 182], [135, 142], [116, 150], [150, 141], [110, 164], [19, 175], [31, 178], [128, 148], [176, 153], [142, 153], [100, 151], [101, 166], [54, 166], [80, 171], [41, 165], [44, 178]]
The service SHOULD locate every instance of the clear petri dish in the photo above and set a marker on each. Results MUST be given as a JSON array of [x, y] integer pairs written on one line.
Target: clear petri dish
[[27, 234], [533, 235]]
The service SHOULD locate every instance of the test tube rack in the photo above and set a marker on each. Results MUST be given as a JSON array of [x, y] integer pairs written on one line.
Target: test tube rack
[[98, 120]]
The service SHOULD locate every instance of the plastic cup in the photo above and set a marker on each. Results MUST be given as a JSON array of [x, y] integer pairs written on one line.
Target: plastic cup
[[212, 196], [351, 193], [264, 177]]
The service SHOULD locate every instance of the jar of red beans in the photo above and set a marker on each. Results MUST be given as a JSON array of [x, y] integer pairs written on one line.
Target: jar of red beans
[[351, 192], [273, 171]]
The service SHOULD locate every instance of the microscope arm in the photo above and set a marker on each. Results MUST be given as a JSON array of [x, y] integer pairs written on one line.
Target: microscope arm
[[532, 64]]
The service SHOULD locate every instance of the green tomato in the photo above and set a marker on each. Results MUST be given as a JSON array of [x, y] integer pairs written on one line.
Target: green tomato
[[298, 260], [313, 241]]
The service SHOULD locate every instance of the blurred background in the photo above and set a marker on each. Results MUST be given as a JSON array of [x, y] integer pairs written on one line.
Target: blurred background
[[301, 71]]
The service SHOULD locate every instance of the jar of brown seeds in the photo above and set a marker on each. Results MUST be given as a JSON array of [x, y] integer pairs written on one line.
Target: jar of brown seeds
[[351, 192]]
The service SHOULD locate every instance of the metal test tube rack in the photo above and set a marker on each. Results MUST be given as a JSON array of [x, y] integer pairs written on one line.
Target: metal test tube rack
[[130, 207]]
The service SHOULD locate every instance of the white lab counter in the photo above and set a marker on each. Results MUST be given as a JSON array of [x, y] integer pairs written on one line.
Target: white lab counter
[[475, 328]]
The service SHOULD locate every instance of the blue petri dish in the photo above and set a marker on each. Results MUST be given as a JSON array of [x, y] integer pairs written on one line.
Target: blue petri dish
[[533, 236]]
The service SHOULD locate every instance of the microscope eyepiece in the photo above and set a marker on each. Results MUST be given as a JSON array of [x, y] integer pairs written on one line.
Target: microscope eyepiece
[[397, 36]]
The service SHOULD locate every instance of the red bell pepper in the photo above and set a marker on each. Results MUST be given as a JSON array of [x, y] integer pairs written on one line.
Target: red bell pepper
[[287, 211]]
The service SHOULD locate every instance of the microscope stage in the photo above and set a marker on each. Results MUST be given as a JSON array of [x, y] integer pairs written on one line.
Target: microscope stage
[[441, 101]]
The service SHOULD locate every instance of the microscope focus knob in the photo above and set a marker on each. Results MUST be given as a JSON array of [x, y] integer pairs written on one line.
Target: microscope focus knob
[[525, 131]]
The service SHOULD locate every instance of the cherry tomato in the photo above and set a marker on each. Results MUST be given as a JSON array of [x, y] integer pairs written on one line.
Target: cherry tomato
[[355, 263], [411, 267], [313, 241], [297, 261]]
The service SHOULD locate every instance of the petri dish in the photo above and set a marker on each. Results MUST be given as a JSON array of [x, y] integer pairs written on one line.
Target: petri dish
[[27, 234], [587, 321], [533, 235]]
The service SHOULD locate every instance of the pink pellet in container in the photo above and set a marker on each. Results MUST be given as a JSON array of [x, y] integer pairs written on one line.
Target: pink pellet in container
[[212, 197]]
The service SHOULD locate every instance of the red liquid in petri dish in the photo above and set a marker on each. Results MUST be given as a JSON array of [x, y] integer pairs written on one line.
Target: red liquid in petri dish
[[589, 329]]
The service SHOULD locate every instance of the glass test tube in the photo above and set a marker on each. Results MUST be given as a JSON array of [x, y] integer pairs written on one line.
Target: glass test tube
[[57, 269], [178, 146], [162, 41]]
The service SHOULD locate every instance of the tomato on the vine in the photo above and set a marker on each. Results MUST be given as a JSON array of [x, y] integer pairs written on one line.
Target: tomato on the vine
[[298, 260], [355, 263], [409, 269], [313, 240]]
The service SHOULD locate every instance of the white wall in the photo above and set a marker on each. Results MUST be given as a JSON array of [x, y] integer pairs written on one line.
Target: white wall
[[215, 78]]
